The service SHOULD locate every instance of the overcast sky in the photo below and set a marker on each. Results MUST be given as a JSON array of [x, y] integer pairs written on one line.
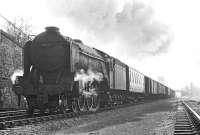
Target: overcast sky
[[158, 37]]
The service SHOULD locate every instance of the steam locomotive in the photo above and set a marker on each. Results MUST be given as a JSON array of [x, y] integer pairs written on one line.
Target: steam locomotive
[[63, 74]]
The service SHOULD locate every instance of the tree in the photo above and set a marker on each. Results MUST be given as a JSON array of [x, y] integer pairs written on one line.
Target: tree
[[19, 29]]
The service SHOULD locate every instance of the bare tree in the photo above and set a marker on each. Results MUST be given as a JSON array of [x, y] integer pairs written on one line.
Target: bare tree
[[19, 29]]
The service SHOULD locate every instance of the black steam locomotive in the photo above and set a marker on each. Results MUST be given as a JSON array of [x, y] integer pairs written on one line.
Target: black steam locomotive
[[62, 74]]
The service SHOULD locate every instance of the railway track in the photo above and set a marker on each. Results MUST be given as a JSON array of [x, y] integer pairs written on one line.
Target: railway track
[[12, 113], [16, 115], [187, 120], [20, 120], [7, 122]]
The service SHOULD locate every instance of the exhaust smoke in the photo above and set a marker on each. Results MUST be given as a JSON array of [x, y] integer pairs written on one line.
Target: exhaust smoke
[[132, 24], [16, 73]]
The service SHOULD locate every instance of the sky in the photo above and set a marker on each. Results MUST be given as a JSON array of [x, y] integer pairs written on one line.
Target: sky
[[160, 38]]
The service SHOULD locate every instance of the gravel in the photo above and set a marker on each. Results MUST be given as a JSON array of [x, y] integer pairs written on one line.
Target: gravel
[[154, 118]]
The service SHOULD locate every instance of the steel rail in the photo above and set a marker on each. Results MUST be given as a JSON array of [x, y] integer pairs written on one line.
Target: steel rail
[[194, 116]]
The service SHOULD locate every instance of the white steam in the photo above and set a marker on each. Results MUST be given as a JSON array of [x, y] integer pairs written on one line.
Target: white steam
[[16, 73], [132, 24], [86, 79], [88, 76]]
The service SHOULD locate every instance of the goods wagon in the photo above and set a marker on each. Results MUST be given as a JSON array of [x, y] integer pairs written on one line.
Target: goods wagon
[[169, 90], [64, 74], [166, 91], [172, 93], [161, 89], [148, 86], [155, 87]]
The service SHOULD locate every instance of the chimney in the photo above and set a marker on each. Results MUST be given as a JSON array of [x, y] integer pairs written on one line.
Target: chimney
[[52, 29]]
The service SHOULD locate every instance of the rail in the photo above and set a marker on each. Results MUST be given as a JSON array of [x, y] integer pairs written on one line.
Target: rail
[[195, 118]]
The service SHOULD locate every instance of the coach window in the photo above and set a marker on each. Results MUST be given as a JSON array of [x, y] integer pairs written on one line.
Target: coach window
[[140, 81], [132, 76], [137, 80], [133, 79]]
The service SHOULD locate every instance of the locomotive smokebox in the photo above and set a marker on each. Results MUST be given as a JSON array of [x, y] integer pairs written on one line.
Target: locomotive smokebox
[[50, 51], [46, 58]]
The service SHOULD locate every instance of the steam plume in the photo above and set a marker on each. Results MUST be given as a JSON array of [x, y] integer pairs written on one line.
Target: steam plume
[[133, 25], [86, 79], [16, 73], [88, 76]]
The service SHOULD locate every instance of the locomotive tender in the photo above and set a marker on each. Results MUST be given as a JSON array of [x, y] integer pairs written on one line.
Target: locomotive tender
[[63, 74]]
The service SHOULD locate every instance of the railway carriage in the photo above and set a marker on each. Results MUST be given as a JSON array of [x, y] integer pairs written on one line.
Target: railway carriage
[[119, 75], [118, 81], [136, 84], [136, 81]]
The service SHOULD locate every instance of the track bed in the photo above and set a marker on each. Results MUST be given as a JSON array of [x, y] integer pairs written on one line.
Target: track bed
[[153, 117]]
